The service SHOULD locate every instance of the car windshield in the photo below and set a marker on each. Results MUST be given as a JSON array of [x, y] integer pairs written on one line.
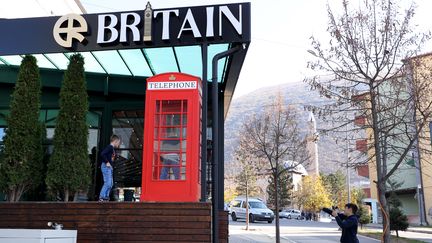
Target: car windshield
[[257, 205]]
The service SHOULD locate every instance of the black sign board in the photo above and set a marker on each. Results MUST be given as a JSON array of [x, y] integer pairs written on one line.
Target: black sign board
[[228, 23]]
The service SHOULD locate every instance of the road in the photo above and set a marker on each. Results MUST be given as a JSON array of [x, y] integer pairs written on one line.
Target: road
[[298, 231]]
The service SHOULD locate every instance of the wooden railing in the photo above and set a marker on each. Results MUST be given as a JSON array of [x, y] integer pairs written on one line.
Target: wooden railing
[[113, 222]]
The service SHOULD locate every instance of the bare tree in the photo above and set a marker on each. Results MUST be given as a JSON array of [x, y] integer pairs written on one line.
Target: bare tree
[[246, 179], [273, 137], [367, 78]]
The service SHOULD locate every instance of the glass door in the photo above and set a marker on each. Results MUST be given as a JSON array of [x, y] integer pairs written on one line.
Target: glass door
[[128, 125]]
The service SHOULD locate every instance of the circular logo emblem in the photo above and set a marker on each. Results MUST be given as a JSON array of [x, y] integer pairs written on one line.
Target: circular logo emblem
[[65, 33]]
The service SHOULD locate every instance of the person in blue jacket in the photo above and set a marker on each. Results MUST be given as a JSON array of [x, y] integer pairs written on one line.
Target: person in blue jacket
[[347, 221], [107, 156]]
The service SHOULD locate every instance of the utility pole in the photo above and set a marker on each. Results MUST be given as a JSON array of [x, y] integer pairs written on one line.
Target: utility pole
[[315, 138], [419, 188], [348, 177]]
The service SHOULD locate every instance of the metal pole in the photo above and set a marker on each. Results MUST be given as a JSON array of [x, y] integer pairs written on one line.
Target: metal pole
[[215, 136], [420, 200], [348, 183], [204, 54], [315, 140], [348, 177]]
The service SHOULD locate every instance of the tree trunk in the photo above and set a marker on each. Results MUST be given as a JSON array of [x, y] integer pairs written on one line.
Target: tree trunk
[[276, 206], [14, 195], [11, 195], [19, 192], [66, 195], [380, 166], [384, 209], [247, 203]]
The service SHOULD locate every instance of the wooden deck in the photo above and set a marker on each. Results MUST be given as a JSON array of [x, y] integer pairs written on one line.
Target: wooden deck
[[118, 222]]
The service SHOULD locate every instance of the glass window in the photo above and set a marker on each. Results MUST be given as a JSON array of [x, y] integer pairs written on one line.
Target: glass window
[[2, 133], [135, 60], [243, 204], [12, 60], [257, 205], [169, 157], [112, 62], [43, 62], [59, 59], [190, 59], [236, 204], [162, 59], [90, 63], [50, 133]]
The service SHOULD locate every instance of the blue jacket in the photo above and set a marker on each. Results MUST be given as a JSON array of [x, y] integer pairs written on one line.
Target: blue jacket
[[107, 154], [349, 228]]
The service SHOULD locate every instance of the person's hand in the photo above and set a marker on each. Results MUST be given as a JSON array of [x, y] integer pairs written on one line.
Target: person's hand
[[334, 213], [108, 164]]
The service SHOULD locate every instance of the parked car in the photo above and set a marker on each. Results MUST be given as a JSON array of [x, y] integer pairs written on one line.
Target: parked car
[[258, 211], [284, 213], [290, 214]]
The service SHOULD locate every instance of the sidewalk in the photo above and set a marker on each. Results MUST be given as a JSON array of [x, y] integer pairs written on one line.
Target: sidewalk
[[417, 229]]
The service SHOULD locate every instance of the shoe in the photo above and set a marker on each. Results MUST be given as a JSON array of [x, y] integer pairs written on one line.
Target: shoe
[[101, 200]]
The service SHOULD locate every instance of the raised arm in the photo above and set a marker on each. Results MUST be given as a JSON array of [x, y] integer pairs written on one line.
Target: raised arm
[[348, 223]]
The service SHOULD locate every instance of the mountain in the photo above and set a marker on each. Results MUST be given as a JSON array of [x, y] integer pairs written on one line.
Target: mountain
[[331, 155]]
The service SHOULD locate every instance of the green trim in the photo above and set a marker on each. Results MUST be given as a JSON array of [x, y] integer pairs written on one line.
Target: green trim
[[96, 82]]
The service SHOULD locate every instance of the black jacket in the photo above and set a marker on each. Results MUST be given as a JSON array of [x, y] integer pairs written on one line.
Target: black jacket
[[107, 154], [349, 228]]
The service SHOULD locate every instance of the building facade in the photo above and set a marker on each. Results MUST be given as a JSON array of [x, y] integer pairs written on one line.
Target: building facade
[[413, 175]]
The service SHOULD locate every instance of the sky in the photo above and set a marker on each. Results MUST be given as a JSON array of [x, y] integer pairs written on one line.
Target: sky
[[281, 31], [280, 36]]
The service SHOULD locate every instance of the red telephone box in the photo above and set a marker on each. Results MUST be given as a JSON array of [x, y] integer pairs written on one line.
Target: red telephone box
[[172, 139]]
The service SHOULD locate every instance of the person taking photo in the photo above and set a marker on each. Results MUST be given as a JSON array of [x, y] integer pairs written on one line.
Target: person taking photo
[[347, 221]]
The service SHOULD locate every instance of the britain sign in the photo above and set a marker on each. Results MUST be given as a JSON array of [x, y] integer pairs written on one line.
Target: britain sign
[[229, 23]]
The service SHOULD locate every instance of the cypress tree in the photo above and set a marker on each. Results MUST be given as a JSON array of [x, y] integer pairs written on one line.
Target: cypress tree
[[285, 189], [398, 220], [69, 167], [21, 165], [364, 215]]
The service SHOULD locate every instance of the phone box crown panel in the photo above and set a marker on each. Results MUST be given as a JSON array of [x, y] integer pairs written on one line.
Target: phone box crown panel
[[172, 135], [173, 82]]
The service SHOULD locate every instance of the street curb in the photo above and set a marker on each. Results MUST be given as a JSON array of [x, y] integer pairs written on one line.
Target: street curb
[[420, 231], [408, 230], [367, 237]]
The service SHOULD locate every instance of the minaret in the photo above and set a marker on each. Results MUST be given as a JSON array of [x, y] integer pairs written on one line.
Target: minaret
[[148, 17], [313, 137]]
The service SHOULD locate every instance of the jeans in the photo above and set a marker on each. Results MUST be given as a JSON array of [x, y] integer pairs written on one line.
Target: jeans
[[107, 173], [176, 170]]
